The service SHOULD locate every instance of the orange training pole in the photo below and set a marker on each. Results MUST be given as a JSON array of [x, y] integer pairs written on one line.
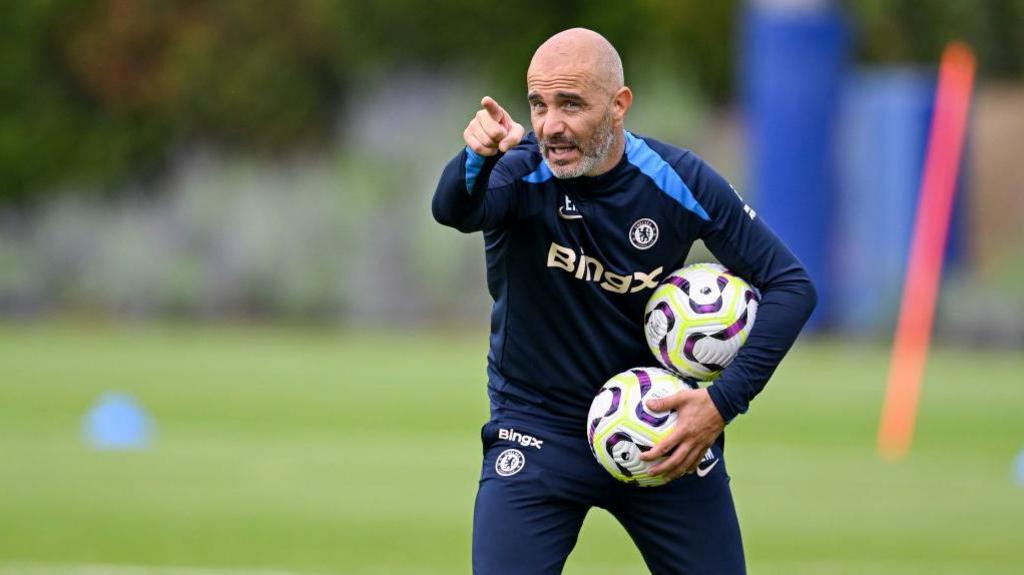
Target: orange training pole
[[924, 268]]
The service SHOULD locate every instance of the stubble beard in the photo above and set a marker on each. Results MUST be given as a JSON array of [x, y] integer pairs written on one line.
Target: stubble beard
[[592, 154]]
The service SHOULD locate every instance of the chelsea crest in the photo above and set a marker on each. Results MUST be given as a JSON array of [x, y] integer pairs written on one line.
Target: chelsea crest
[[643, 233]]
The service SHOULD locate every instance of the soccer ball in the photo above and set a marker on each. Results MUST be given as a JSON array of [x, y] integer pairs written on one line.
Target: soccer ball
[[697, 319], [620, 428]]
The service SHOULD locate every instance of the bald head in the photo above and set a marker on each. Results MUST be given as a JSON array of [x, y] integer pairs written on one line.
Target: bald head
[[578, 103], [581, 53]]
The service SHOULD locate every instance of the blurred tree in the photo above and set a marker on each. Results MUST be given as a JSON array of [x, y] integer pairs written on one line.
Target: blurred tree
[[99, 89], [917, 30]]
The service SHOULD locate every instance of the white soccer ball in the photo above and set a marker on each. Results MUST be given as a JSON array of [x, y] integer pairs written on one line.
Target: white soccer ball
[[620, 427], [698, 318]]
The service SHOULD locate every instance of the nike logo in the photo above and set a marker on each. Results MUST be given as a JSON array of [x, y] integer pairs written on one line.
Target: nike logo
[[702, 471], [569, 215]]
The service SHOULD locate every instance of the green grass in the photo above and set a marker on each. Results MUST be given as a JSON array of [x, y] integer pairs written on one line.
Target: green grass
[[322, 452]]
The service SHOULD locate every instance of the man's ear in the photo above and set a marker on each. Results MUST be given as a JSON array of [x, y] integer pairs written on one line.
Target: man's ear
[[621, 102]]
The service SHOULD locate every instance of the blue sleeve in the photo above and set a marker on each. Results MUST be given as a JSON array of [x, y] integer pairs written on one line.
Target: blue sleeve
[[745, 244], [475, 193]]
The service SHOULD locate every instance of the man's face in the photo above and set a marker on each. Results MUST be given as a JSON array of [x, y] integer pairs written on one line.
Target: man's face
[[573, 122]]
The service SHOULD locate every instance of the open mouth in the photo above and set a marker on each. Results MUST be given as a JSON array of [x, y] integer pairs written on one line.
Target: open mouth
[[561, 152]]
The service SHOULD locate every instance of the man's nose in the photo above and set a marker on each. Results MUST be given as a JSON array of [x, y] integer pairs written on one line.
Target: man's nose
[[553, 124]]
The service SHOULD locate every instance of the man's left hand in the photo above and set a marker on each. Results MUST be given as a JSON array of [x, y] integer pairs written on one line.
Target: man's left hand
[[698, 426]]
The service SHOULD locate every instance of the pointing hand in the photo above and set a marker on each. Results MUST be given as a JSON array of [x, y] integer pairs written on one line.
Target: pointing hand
[[492, 130]]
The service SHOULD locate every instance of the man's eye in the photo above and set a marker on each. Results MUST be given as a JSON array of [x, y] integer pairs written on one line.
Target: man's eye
[[572, 105], [537, 106]]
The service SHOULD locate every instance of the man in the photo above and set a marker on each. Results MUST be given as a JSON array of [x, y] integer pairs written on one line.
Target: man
[[581, 220]]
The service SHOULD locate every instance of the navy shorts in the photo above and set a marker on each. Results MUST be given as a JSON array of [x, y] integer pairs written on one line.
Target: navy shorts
[[536, 487]]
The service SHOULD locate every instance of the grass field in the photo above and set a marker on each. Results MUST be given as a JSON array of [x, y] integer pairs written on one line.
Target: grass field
[[301, 451]]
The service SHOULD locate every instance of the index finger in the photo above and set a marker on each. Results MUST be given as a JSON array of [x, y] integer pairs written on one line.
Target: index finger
[[669, 402], [492, 107], [661, 448]]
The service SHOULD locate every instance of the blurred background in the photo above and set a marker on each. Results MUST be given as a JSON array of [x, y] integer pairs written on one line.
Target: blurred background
[[232, 338]]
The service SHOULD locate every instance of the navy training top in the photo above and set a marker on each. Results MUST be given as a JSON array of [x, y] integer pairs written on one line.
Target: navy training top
[[571, 264]]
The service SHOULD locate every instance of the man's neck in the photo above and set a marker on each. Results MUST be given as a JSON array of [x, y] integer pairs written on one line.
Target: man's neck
[[614, 154]]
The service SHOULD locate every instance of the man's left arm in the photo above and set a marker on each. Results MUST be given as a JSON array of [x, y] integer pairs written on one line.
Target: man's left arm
[[743, 243], [749, 248]]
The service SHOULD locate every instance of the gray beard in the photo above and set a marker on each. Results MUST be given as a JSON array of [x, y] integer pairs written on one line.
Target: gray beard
[[600, 146]]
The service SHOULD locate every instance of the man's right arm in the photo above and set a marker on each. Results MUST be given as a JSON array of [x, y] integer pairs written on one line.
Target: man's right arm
[[475, 193], [465, 198]]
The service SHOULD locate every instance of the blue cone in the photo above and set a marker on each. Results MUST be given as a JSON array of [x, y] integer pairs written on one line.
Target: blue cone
[[116, 422]]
